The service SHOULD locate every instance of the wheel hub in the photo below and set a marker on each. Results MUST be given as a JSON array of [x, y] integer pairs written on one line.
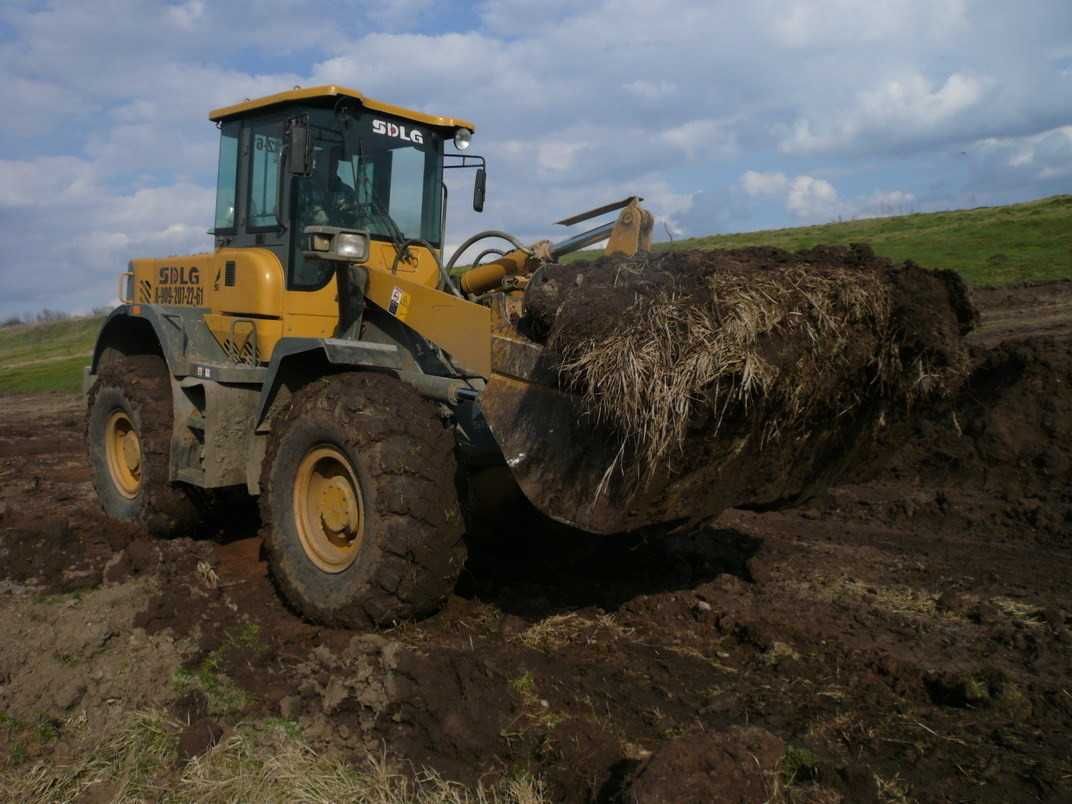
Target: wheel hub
[[122, 448], [132, 451], [338, 506], [328, 508]]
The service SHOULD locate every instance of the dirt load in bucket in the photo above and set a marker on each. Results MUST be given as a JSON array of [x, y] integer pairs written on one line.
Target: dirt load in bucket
[[747, 378]]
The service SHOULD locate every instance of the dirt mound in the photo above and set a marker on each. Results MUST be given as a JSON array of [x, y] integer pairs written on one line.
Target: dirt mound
[[59, 555], [1010, 433], [80, 655], [737, 766], [199, 737]]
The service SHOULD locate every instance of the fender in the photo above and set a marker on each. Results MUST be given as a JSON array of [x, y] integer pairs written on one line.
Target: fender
[[335, 352], [174, 328]]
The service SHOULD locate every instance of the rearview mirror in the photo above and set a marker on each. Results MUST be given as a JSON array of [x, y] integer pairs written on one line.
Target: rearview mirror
[[479, 189], [299, 157]]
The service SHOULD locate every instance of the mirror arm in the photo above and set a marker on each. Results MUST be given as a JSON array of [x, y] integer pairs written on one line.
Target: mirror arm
[[443, 221], [283, 181]]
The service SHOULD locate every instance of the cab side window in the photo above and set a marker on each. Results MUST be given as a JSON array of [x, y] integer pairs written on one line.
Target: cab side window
[[227, 178], [266, 146]]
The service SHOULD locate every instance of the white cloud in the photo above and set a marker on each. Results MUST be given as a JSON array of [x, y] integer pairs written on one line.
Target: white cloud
[[807, 23], [812, 199], [764, 185], [805, 197], [558, 156], [897, 110], [650, 90], [1046, 156], [884, 203], [513, 17], [186, 15], [399, 13], [46, 181], [701, 138]]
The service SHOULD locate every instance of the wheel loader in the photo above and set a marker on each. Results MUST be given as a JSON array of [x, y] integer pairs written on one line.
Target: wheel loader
[[327, 359]]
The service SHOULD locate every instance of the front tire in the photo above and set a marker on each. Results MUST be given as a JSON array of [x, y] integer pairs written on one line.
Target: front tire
[[128, 438], [358, 497]]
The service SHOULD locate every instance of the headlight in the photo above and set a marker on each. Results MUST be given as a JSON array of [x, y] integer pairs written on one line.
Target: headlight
[[351, 246], [462, 138], [333, 243]]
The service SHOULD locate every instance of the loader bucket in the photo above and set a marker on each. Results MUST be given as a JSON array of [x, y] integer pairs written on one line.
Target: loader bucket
[[571, 470], [666, 388]]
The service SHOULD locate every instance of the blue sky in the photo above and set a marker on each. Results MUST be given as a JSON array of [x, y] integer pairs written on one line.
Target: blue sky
[[726, 116]]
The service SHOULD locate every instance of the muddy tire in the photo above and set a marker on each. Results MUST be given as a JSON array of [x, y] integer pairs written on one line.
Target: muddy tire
[[362, 522], [128, 438]]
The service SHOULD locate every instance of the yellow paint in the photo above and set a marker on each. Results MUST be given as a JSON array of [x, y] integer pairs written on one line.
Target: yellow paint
[[122, 449], [315, 314], [460, 328], [331, 91], [490, 275], [258, 282], [329, 509], [199, 280], [259, 299]]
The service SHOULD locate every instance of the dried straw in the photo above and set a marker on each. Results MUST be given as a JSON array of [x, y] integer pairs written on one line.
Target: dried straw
[[790, 341]]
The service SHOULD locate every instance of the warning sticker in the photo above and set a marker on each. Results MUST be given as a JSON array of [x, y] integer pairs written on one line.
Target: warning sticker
[[399, 306]]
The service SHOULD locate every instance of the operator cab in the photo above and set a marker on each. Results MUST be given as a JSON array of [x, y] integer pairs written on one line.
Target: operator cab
[[326, 175]]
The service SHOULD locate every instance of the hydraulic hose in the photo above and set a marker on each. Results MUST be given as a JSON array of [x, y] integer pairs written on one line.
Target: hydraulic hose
[[481, 236], [444, 274]]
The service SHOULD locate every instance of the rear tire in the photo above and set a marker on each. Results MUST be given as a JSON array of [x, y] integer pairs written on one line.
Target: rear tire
[[362, 523], [128, 438]]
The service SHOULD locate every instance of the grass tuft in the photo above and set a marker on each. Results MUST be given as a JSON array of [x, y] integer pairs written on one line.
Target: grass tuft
[[261, 761], [224, 696]]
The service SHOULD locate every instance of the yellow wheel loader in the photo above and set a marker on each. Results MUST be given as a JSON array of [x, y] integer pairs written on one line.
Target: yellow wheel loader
[[325, 358]]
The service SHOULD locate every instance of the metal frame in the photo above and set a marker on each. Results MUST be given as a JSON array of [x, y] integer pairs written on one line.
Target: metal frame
[[482, 163]]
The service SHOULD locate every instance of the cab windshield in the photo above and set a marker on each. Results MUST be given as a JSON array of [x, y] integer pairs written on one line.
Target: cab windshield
[[379, 174], [369, 172]]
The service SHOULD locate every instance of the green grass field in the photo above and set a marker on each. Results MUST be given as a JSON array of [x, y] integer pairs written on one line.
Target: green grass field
[[988, 246], [46, 357]]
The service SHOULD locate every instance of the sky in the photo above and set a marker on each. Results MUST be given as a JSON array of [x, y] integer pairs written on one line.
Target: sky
[[725, 116]]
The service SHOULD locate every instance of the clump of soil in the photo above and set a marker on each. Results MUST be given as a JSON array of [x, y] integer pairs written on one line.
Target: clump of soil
[[197, 738], [758, 376], [62, 554], [1010, 433], [735, 766]]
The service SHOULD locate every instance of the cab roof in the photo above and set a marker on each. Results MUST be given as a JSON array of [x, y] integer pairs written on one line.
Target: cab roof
[[333, 91]]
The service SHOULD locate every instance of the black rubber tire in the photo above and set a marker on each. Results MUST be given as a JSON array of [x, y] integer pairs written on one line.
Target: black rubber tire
[[140, 385], [403, 458]]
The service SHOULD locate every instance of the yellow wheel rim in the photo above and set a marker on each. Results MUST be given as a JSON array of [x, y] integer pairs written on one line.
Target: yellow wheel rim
[[328, 509], [122, 447]]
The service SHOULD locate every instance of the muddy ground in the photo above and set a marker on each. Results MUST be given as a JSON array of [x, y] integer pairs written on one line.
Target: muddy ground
[[907, 639]]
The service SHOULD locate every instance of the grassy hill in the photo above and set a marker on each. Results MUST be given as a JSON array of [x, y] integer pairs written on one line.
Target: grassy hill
[[988, 246], [46, 357]]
